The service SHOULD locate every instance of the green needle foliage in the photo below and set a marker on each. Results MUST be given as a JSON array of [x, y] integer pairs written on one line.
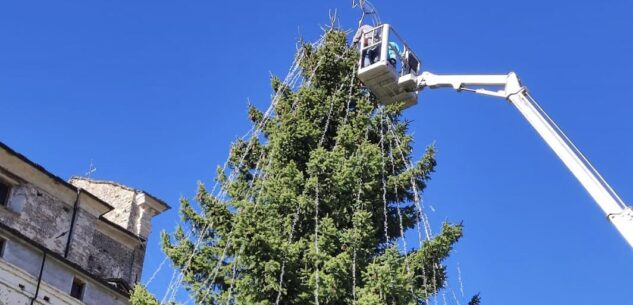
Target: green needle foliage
[[306, 201], [140, 296]]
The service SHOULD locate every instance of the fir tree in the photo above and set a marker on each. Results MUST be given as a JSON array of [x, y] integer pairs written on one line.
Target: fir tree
[[140, 296], [316, 204]]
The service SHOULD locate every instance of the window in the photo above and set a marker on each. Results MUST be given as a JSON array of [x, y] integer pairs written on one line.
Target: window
[[5, 189], [3, 243], [77, 290]]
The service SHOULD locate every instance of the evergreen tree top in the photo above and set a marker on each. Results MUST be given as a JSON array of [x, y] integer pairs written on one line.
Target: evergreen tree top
[[312, 208]]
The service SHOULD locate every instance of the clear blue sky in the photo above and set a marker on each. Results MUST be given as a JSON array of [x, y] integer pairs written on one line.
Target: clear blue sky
[[155, 91]]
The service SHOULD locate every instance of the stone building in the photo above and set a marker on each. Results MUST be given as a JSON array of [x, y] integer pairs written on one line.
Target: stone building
[[75, 242]]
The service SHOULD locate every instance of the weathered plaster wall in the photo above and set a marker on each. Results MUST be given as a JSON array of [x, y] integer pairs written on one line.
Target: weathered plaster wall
[[18, 288], [143, 220], [22, 257], [94, 296], [42, 217], [19, 270], [57, 275]]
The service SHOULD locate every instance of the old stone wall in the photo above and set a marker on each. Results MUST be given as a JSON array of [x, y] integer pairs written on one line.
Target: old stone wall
[[81, 245], [137, 267], [39, 216], [122, 199], [47, 220], [111, 259], [102, 224]]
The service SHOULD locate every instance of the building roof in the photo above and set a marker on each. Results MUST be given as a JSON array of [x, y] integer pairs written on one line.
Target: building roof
[[68, 185], [162, 203], [118, 285], [51, 175]]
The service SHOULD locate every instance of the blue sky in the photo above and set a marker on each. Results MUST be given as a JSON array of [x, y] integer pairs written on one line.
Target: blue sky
[[155, 91]]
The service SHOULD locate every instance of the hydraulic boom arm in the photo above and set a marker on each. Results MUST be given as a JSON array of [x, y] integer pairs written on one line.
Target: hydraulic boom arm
[[620, 215]]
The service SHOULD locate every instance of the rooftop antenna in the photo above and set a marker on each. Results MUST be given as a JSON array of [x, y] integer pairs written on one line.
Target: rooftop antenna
[[91, 169]]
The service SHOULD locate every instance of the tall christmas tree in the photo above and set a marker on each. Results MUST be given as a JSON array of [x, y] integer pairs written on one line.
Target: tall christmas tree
[[312, 208]]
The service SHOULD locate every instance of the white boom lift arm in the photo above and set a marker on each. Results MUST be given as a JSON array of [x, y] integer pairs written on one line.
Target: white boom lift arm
[[620, 215], [393, 74]]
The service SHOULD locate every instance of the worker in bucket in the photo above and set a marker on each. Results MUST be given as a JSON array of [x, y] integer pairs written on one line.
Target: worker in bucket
[[393, 51], [366, 35], [360, 33]]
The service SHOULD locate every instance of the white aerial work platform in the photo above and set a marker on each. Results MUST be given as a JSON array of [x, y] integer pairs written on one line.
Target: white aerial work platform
[[388, 67], [391, 71]]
